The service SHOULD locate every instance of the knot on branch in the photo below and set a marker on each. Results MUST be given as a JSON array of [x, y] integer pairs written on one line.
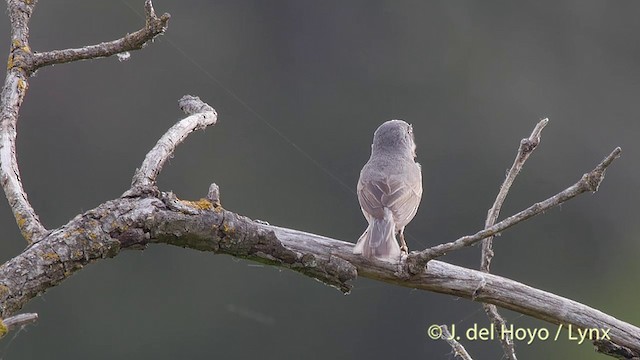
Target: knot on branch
[[591, 180], [527, 146], [20, 57], [416, 261]]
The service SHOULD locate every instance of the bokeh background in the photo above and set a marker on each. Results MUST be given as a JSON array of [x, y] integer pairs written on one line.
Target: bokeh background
[[300, 86]]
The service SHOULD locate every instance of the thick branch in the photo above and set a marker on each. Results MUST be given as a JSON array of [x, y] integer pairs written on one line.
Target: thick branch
[[132, 223], [589, 182], [153, 27]]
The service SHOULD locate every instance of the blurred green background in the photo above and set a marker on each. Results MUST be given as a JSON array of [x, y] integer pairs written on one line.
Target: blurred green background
[[300, 86]]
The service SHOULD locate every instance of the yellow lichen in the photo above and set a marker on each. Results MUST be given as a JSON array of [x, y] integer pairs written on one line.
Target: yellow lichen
[[202, 204], [51, 256], [22, 85], [226, 229], [3, 329], [3, 291], [20, 220]]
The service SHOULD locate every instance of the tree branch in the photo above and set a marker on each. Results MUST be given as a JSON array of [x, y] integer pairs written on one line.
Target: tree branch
[[458, 349], [201, 116], [133, 223], [526, 148], [22, 64], [589, 182], [13, 92], [153, 27]]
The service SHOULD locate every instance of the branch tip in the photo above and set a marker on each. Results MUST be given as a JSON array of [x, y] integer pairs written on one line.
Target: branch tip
[[154, 26], [148, 10], [610, 158], [588, 182], [200, 116], [190, 105], [214, 194]]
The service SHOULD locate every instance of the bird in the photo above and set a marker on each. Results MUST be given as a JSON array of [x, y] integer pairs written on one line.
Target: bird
[[389, 191]]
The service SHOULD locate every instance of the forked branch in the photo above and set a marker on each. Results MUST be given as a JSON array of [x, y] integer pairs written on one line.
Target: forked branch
[[526, 148], [589, 182], [22, 64], [153, 27]]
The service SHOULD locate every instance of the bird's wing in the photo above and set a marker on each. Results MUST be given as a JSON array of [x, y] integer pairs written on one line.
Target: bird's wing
[[403, 197], [370, 194], [401, 194]]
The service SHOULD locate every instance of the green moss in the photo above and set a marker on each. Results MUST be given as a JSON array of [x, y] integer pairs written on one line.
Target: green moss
[[3, 329]]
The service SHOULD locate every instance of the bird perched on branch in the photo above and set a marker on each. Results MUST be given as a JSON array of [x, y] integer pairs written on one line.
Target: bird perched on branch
[[389, 191]]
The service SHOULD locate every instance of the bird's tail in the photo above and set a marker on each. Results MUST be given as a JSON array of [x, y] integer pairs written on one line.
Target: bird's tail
[[379, 239]]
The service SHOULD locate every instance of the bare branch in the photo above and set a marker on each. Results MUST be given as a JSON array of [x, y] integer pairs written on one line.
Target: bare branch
[[458, 349], [133, 223], [499, 323], [526, 148], [16, 321], [153, 27], [589, 182], [13, 92], [200, 116], [22, 63], [11, 99]]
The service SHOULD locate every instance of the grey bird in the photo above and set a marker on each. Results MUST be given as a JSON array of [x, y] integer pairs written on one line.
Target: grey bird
[[389, 191]]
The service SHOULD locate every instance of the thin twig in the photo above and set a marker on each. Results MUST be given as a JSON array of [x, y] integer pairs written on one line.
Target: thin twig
[[499, 323], [200, 116], [153, 27], [16, 321], [589, 182], [526, 148], [458, 349], [13, 92]]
